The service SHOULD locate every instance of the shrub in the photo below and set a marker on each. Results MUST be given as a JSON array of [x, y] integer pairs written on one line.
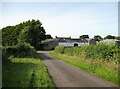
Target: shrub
[[102, 51], [7, 52], [59, 49], [21, 50], [25, 50]]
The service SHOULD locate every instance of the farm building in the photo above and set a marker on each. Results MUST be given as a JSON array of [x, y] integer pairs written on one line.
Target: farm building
[[49, 44], [71, 42]]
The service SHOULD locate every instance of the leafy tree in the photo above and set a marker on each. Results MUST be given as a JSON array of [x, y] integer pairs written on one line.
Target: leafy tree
[[98, 38], [84, 36], [0, 37], [7, 37], [48, 36], [109, 37], [10, 34], [33, 34]]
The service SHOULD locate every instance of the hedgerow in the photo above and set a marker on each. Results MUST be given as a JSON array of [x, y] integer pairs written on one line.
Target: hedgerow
[[101, 50], [21, 50]]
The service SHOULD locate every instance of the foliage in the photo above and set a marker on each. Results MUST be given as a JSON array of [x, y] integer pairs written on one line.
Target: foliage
[[33, 74], [93, 66], [20, 50], [102, 51], [109, 37], [101, 59], [59, 49], [48, 36], [84, 36], [118, 37], [25, 50], [7, 36], [0, 37], [98, 38], [31, 32]]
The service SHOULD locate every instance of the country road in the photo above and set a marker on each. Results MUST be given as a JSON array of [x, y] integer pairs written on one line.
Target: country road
[[65, 75]]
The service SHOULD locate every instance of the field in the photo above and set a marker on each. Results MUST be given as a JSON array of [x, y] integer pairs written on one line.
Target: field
[[101, 59], [25, 72]]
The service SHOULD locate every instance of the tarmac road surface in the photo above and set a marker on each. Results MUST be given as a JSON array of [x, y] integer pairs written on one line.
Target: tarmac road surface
[[65, 75]]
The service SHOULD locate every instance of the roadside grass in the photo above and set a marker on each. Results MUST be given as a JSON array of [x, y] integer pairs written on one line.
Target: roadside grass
[[96, 67], [25, 72]]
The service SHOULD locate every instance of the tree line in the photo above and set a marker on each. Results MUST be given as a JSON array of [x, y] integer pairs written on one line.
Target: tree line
[[31, 32], [99, 38]]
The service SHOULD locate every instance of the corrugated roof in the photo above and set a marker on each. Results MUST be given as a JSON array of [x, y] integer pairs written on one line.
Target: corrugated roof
[[49, 40], [64, 39]]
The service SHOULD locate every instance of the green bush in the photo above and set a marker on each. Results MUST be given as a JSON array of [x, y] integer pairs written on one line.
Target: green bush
[[21, 50], [7, 52], [59, 49], [25, 50], [102, 51]]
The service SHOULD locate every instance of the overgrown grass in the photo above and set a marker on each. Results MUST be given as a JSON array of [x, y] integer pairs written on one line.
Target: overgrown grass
[[102, 51], [97, 67], [25, 72], [102, 59]]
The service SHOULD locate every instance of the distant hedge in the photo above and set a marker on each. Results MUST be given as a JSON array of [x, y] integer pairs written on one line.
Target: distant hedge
[[21, 50]]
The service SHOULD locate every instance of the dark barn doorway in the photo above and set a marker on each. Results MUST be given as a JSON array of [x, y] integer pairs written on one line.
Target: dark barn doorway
[[76, 44]]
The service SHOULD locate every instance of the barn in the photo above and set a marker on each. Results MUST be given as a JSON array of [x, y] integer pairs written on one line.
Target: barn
[[50, 44]]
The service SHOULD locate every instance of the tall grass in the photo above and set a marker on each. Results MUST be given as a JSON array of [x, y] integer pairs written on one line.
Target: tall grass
[[25, 72], [101, 59], [95, 67], [100, 51]]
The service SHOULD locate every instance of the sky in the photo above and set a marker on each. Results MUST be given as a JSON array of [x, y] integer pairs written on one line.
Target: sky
[[64, 19]]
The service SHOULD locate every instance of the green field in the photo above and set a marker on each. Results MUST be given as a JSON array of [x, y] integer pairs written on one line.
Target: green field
[[25, 72], [98, 67]]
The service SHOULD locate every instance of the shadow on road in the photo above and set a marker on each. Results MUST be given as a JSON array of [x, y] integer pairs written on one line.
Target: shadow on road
[[44, 55]]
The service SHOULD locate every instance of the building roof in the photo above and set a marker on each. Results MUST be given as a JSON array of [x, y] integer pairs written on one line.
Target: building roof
[[64, 39], [49, 40], [70, 40]]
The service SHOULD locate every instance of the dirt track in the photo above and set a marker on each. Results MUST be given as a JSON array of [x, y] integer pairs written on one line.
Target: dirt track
[[65, 75]]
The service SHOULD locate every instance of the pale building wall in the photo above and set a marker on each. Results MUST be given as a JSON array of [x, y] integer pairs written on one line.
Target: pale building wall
[[71, 43]]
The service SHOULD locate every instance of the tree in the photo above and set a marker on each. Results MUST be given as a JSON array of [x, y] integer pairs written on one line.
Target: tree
[[109, 37], [0, 37], [84, 37], [33, 34], [98, 38], [7, 36], [48, 36], [10, 34]]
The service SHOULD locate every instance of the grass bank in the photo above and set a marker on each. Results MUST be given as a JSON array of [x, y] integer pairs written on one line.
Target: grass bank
[[102, 69], [25, 72]]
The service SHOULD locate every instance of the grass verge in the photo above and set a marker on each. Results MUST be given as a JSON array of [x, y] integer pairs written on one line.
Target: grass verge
[[26, 72], [96, 68]]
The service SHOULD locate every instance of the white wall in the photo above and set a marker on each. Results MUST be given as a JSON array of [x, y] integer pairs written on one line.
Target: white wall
[[71, 43]]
